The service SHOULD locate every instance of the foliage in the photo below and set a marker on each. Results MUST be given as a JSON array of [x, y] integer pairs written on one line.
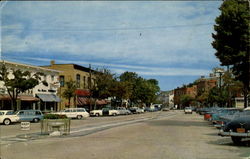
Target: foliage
[[21, 82], [69, 92], [231, 40], [54, 116], [104, 82], [186, 100]]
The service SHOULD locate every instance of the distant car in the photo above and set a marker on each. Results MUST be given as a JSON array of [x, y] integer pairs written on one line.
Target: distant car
[[29, 115], [188, 110], [104, 111], [149, 109], [136, 110], [77, 113], [238, 128], [7, 117], [123, 111], [165, 109]]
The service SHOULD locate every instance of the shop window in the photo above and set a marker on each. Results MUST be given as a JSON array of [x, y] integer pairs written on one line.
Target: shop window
[[78, 78], [84, 82], [62, 81]]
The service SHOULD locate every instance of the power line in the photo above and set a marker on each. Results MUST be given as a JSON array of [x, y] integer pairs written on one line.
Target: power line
[[108, 29]]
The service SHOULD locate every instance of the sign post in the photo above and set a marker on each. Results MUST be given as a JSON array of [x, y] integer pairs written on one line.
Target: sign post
[[25, 125]]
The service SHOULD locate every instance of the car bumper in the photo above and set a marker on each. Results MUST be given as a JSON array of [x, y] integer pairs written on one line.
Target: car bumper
[[223, 133]]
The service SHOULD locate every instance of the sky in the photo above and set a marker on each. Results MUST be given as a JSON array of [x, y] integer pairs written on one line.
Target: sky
[[169, 41]]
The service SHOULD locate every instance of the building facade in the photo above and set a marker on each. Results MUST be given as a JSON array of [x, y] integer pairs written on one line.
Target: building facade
[[84, 78], [40, 97], [179, 92]]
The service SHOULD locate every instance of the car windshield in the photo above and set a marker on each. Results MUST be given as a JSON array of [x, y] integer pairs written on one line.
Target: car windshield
[[10, 113]]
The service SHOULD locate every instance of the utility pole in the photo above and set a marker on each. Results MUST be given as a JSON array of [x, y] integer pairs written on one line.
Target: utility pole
[[90, 86]]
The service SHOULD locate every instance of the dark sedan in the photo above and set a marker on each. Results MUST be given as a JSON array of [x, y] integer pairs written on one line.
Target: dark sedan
[[238, 128]]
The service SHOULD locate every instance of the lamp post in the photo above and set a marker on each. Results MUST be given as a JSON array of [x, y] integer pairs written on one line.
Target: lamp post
[[220, 72]]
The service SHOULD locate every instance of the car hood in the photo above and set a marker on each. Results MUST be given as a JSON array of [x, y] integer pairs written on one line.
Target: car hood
[[241, 122]]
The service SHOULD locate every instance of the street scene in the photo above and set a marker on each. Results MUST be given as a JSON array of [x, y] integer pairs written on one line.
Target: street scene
[[125, 79], [151, 135]]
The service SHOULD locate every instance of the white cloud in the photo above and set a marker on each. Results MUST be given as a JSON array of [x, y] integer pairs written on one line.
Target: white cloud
[[128, 32]]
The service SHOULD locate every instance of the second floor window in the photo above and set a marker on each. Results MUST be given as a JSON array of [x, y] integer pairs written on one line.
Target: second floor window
[[78, 78], [62, 81], [84, 82]]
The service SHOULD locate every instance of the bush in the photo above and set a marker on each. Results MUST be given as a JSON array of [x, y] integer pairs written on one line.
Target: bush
[[54, 116]]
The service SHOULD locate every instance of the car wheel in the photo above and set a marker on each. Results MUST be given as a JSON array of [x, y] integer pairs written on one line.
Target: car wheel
[[79, 117], [114, 114], [7, 122], [96, 114], [236, 139], [36, 120]]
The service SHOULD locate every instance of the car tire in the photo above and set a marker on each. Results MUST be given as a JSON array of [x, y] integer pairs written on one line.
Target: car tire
[[114, 114], [79, 117], [6, 121], [97, 115], [236, 140], [36, 120]]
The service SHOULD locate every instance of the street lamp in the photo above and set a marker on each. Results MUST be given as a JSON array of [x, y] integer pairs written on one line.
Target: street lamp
[[220, 71]]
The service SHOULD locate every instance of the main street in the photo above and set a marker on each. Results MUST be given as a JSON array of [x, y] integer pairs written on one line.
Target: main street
[[158, 135]]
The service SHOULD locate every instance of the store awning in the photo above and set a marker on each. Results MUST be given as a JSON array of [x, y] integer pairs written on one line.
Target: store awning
[[82, 92], [82, 101], [86, 101], [48, 97], [21, 97]]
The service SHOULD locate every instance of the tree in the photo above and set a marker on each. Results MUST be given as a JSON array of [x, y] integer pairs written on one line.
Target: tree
[[69, 92], [186, 100], [19, 83], [232, 42]]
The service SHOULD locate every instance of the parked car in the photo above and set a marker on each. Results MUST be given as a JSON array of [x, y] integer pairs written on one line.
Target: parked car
[[123, 111], [29, 115], [188, 110], [104, 111], [7, 117], [149, 109], [77, 113], [136, 110], [165, 109], [238, 128]]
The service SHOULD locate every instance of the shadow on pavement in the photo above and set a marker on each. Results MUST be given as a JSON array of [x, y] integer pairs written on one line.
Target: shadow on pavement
[[228, 142], [177, 123]]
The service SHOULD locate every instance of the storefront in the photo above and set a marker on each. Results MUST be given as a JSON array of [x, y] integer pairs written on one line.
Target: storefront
[[23, 102], [48, 102]]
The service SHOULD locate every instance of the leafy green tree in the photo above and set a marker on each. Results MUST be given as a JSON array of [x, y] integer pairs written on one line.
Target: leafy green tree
[[232, 41], [186, 100], [69, 92], [104, 81], [19, 83]]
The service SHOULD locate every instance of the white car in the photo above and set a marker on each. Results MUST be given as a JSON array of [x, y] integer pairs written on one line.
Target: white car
[[123, 111], [104, 111], [188, 110], [77, 113], [7, 117]]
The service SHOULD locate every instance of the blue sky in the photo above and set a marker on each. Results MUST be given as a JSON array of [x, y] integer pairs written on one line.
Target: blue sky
[[166, 40]]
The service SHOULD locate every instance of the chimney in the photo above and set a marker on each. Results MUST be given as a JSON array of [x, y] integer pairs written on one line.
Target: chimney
[[52, 62]]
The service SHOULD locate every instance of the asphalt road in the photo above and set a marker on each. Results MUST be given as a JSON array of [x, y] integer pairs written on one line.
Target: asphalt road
[[158, 135]]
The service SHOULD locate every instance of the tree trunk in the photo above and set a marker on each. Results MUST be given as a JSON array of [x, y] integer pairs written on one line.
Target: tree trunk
[[245, 92]]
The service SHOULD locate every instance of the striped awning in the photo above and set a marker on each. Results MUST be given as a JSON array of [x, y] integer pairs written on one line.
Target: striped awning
[[86, 101], [20, 97]]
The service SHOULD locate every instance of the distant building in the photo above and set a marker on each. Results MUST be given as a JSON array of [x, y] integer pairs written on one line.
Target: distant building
[[167, 98], [179, 92], [40, 97], [205, 84]]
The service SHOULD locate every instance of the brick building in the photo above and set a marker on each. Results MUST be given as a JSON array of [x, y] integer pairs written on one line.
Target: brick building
[[179, 92]]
